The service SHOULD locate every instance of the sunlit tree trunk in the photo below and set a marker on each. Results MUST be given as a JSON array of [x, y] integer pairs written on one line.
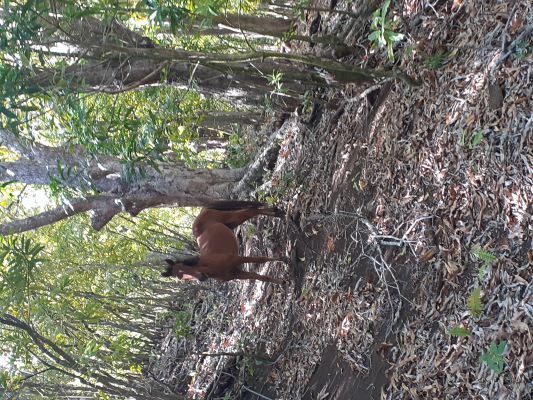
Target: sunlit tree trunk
[[169, 184]]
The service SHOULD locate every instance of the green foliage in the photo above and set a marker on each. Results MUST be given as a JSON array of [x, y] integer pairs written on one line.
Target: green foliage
[[278, 191], [487, 258], [475, 307], [94, 296], [523, 48], [477, 138], [59, 187], [275, 79], [181, 327], [494, 357], [6, 193], [177, 14], [165, 11], [383, 34], [459, 331], [122, 127], [137, 127], [237, 153], [436, 61], [86, 291], [249, 364], [19, 257], [301, 7]]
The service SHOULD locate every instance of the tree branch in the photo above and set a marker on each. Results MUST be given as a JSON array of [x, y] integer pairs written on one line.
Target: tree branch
[[60, 213], [103, 208]]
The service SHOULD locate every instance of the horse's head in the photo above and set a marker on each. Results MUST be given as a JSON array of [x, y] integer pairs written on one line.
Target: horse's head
[[183, 270]]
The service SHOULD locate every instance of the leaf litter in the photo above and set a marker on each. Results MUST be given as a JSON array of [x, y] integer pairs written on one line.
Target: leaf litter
[[392, 190]]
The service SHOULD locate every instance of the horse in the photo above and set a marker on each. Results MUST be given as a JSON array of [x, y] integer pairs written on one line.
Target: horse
[[219, 250]]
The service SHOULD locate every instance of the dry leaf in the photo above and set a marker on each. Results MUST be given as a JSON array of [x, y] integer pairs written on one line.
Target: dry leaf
[[428, 254], [470, 120], [517, 24], [330, 244]]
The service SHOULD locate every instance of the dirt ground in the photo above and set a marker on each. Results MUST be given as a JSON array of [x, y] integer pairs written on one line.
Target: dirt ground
[[390, 191]]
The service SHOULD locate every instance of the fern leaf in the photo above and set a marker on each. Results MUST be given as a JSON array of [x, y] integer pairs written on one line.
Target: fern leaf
[[474, 302], [485, 256], [459, 331]]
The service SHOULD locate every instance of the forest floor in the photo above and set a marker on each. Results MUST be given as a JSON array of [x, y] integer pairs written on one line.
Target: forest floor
[[390, 192]]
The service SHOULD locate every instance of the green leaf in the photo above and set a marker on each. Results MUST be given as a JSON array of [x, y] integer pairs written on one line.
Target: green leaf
[[374, 36], [482, 272], [494, 357], [7, 112], [393, 36], [474, 303], [385, 9], [5, 184], [459, 331], [488, 260], [477, 138], [487, 257], [390, 52]]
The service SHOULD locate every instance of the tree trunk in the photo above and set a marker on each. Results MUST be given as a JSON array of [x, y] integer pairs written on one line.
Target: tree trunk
[[128, 64], [171, 184], [259, 24], [215, 119], [175, 186]]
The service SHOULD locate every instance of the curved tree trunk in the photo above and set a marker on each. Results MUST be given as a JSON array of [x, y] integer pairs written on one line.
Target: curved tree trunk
[[170, 184]]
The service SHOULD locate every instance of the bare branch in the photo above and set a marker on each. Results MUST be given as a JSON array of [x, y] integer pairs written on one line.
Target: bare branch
[[59, 214]]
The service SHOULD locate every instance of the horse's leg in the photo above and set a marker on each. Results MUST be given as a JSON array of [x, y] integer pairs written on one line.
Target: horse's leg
[[253, 275]]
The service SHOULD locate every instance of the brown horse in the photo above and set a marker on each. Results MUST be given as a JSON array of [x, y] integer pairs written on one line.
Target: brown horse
[[219, 250]]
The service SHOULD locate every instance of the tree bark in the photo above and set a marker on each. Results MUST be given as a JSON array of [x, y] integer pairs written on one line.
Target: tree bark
[[259, 24], [176, 186], [215, 119], [130, 63], [170, 184]]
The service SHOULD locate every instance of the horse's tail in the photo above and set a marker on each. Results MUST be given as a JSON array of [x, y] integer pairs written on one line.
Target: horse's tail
[[228, 205]]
